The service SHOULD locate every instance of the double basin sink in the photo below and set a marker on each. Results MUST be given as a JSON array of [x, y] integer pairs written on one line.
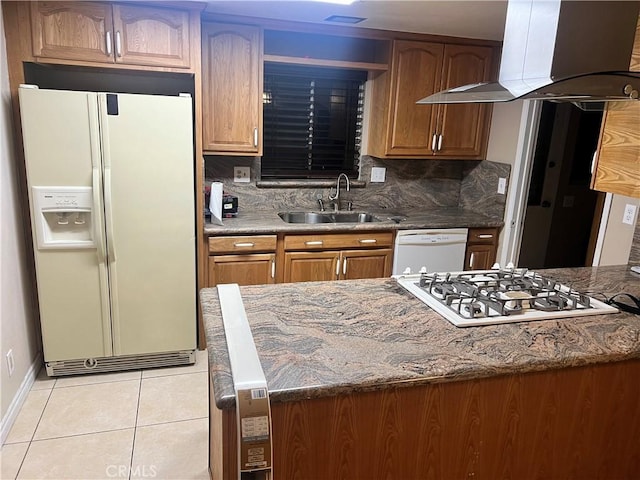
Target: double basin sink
[[327, 217]]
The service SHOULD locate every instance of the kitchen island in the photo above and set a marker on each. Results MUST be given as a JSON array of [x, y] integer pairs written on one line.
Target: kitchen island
[[367, 382]]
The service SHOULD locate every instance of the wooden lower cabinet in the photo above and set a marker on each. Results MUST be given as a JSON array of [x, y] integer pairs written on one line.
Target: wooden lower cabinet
[[366, 264], [479, 257], [571, 423], [482, 248], [242, 259], [248, 269], [310, 266], [337, 265], [309, 258]]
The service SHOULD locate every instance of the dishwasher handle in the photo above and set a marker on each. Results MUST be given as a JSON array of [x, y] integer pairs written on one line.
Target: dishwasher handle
[[432, 239]]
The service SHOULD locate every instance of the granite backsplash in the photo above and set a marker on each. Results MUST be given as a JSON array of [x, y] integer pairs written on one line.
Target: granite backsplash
[[409, 184]]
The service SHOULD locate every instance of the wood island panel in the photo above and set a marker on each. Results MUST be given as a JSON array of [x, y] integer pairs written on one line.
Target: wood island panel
[[581, 422]]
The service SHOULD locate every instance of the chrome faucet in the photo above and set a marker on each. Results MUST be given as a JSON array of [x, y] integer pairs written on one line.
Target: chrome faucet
[[336, 198]]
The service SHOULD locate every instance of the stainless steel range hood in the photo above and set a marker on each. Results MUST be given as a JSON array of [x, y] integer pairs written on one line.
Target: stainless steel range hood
[[564, 50]]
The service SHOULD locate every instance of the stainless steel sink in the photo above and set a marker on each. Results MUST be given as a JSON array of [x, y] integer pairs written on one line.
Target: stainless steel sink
[[327, 217]]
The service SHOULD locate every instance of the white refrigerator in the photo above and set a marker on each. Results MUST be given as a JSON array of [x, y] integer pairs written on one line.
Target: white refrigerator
[[111, 190]]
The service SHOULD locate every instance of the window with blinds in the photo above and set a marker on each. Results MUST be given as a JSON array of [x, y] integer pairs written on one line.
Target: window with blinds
[[312, 121]]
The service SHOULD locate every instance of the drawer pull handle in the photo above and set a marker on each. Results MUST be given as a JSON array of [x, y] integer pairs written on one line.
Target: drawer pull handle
[[368, 240], [245, 244], [313, 242], [485, 235]]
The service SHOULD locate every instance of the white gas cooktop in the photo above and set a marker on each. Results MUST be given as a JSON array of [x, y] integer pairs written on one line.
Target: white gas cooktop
[[486, 297]]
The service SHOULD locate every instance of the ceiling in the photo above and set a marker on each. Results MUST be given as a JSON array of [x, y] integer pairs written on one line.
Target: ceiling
[[482, 19]]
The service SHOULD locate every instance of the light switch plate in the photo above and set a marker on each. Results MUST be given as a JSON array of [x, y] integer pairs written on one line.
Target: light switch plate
[[242, 174], [378, 174], [629, 214], [502, 185]]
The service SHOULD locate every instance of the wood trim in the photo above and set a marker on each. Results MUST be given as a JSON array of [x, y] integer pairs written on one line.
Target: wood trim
[[374, 67]]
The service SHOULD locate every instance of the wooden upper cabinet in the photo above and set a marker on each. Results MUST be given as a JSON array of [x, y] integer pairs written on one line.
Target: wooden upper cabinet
[[72, 31], [618, 159], [617, 168], [232, 89], [151, 36], [401, 128], [111, 34], [415, 74], [463, 129]]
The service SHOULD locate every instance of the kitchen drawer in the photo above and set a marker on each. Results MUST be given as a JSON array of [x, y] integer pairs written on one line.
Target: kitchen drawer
[[244, 243], [483, 235], [336, 241]]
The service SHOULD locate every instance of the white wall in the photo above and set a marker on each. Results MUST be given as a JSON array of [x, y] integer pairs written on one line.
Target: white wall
[[17, 325], [503, 148], [618, 236]]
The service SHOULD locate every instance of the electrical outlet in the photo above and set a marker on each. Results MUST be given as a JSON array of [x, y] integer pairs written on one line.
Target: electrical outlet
[[378, 174], [502, 185], [629, 214], [10, 364], [242, 174]]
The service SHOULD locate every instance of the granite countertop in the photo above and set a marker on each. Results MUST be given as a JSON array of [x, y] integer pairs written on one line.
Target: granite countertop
[[260, 222], [327, 338]]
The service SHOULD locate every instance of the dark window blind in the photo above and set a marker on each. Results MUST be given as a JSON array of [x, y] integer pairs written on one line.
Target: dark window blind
[[312, 121]]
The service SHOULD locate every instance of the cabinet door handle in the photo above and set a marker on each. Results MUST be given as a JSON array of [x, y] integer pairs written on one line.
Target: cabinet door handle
[[244, 244], [273, 269], [255, 137], [108, 42], [433, 142], [311, 243], [471, 260], [593, 161], [439, 142], [344, 266], [485, 235], [118, 44], [368, 240], [338, 267]]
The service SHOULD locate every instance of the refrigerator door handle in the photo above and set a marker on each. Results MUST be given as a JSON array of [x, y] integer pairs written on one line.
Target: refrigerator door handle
[[108, 213], [95, 187], [106, 167]]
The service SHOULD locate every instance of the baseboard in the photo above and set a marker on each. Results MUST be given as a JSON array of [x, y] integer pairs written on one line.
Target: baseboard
[[20, 397]]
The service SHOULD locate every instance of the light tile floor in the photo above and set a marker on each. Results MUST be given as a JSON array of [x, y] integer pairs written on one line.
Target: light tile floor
[[129, 425]]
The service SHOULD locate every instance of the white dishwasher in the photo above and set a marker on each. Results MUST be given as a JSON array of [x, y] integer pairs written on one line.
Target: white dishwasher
[[438, 250]]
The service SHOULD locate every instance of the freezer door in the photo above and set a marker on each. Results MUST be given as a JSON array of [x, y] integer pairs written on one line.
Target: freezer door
[[150, 221], [62, 149]]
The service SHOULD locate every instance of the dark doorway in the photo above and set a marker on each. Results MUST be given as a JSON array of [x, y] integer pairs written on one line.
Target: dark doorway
[[561, 207]]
